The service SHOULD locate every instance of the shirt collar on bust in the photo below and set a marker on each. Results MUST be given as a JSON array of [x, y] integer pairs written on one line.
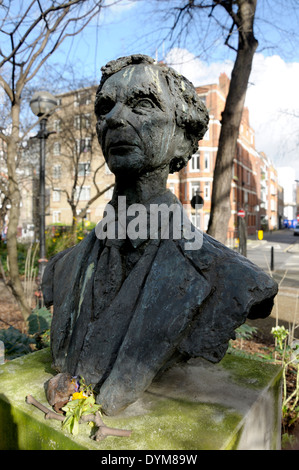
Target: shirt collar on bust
[[152, 233]]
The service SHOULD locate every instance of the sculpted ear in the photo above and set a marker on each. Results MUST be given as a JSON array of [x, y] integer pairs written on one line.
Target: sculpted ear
[[183, 150]]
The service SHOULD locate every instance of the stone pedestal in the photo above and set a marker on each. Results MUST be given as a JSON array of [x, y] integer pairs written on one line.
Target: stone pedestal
[[199, 406]]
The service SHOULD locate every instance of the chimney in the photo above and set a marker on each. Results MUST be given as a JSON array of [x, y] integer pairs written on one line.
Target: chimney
[[224, 82]]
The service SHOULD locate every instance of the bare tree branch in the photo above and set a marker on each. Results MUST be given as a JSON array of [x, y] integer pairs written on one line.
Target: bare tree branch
[[29, 35], [239, 19]]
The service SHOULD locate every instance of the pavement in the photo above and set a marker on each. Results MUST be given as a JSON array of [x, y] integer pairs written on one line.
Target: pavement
[[286, 273]]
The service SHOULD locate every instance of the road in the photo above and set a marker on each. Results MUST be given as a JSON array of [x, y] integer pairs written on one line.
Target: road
[[285, 256], [285, 272]]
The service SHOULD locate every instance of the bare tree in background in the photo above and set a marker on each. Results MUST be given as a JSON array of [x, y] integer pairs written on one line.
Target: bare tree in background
[[78, 156], [30, 33], [243, 21], [236, 18]]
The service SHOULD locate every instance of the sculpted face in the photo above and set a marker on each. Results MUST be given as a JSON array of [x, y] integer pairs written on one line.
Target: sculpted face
[[136, 124]]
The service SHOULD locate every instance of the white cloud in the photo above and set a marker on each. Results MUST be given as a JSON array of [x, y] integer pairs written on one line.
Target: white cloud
[[196, 70], [113, 9], [272, 98]]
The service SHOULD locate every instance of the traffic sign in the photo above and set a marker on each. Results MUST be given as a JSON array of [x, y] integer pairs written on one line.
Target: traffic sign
[[196, 201], [241, 213]]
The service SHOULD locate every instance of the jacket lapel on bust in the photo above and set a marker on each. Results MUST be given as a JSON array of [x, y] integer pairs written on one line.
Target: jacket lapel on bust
[[170, 300]]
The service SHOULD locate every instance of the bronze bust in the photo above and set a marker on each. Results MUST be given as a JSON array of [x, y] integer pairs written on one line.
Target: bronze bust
[[126, 307]]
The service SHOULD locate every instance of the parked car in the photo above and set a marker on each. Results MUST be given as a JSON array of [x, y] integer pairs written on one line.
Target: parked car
[[296, 230]]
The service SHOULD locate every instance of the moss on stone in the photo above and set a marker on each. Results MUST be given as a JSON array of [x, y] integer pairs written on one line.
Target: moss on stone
[[162, 422], [174, 424], [248, 372]]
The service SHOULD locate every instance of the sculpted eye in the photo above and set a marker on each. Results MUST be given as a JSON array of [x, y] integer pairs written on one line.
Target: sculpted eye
[[143, 103], [104, 106]]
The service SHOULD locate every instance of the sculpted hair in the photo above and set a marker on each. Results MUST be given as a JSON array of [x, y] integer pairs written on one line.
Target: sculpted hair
[[190, 112]]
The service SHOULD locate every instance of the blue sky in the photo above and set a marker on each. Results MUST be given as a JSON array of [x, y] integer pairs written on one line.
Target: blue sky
[[272, 97], [130, 26]]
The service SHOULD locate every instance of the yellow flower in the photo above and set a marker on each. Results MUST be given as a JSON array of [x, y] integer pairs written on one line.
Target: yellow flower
[[78, 396], [54, 240], [80, 238]]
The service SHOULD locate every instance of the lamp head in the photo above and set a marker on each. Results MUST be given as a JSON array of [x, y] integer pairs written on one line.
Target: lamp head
[[42, 103]]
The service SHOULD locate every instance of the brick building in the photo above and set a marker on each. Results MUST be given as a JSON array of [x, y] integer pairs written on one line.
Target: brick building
[[76, 169], [254, 179], [270, 195]]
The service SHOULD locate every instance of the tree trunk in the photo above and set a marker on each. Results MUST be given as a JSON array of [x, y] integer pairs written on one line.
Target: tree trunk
[[231, 119], [14, 212]]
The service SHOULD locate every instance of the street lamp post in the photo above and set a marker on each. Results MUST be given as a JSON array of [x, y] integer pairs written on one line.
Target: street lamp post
[[42, 104], [196, 202]]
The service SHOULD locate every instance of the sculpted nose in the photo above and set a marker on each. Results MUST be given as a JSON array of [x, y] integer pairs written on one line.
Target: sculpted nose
[[115, 118]]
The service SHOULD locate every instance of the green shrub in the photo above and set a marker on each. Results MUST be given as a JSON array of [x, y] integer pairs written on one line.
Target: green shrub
[[60, 237], [18, 344], [22, 254]]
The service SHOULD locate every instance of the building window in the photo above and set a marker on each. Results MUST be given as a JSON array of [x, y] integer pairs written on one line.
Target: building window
[[83, 168], [194, 187], [77, 121], [87, 144], [57, 172], [83, 193], [83, 145], [56, 195], [206, 192], [82, 99], [195, 162], [56, 148], [171, 187], [86, 121], [203, 98], [82, 121], [206, 161], [57, 125], [56, 217]]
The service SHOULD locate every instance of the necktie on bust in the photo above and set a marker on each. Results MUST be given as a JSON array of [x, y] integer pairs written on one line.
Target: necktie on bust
[[109, 275], [115, 263]]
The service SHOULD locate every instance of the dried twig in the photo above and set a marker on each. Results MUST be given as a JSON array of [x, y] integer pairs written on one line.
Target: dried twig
[[49, 414], [103, 430]]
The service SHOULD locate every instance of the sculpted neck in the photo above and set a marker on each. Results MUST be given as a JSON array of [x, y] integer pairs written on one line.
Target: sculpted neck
[[141, 189]]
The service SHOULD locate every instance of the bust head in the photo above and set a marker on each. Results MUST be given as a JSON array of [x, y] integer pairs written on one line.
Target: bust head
[[148, 116]]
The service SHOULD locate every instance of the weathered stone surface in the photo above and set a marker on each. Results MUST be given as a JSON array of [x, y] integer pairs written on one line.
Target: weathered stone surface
[[185, 409], [125, 309]]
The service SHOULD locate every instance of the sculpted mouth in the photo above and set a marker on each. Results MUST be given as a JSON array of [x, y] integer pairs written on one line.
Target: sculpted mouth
[[120, 147]]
